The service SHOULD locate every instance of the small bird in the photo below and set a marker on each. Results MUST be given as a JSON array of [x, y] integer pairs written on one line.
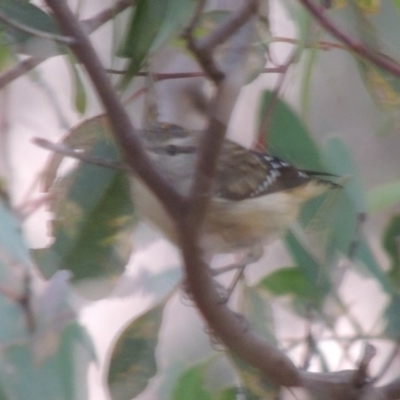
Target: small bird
[[255, 196]]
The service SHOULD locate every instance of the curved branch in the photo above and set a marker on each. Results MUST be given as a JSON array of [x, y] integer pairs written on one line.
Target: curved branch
[[378, 59], [123, 129], [227, 326], [19, 69]]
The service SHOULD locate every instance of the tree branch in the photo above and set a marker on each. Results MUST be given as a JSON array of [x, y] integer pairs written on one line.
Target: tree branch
[[391, 391], [364, 52], [123, 129], [223, 322], [102, 17], [229, 27], [226, 325], [91, 25], [19, 69]]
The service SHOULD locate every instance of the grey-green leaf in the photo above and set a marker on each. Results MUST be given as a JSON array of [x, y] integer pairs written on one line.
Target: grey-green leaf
[[133, 359]]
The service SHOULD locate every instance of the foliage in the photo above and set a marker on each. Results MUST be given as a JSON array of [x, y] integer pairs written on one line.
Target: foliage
[[46, 352]]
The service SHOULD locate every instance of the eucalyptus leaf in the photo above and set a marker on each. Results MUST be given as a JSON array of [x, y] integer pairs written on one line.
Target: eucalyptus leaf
[[384, 196], [55, 378], [31, 16], [257, 384], [287, 137], [393, 317], [190, 385], [391, 243], [133, 358], [95, 214], [288, 282], [255, 306], [153, 23], [13, 250]]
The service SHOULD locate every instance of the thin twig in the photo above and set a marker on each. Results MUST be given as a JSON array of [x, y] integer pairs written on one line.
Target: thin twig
[[361, 377], [81, 156], [321, 44], [181, 75], [356, 46], [229, 27], [104, 16], [19, 69], [203, 49]]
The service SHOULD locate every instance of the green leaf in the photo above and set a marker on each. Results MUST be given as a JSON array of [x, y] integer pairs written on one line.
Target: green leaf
[[383, 86], [33, 17], [340, 161], [364, 254], [390, 243], [235, 393], [369, 6], [397, 5], [133, 359], [255, 306], [384, 197], [315, 272], [178, 13], [5, 58], [95, 214], [190, 385], [288, 281], [13, 250], [257, 384], [146, 22], [57, 377], [339, 216], [14, 323], [79, 89], [228, 394], [287, 137], [153, 23], [392, 315]]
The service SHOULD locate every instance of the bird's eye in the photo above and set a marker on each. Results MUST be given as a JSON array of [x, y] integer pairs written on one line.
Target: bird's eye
[[171, 150]]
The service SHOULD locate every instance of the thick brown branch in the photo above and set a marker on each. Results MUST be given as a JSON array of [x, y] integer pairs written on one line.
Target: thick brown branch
[[357, 47], [123, 129], [228, 326], [225, 325], [392, 390]]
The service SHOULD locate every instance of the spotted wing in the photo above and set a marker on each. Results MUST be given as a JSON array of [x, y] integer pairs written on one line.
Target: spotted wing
[[245, 174]]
